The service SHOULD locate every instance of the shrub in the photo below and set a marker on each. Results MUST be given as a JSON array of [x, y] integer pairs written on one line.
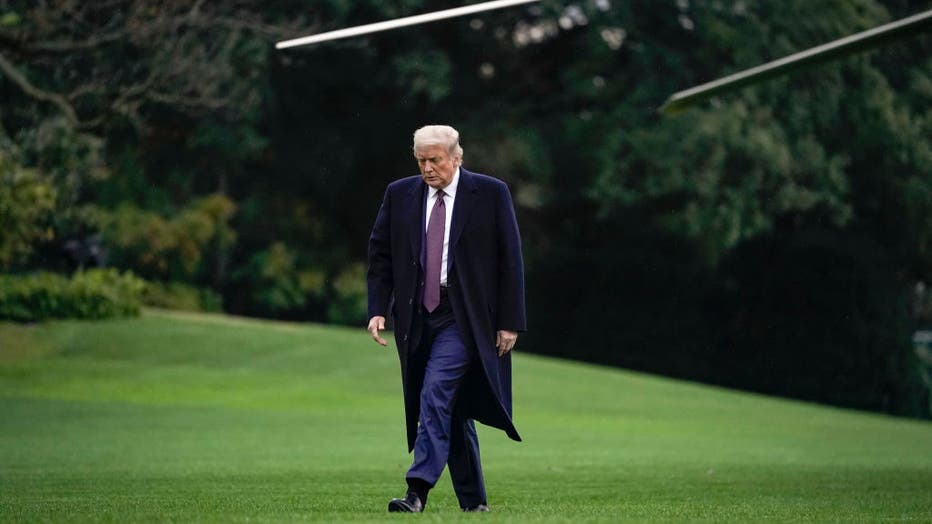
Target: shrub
[[175, 295], [27, 201], [348, 305], [276, 282], [175, 248], [91, 294]]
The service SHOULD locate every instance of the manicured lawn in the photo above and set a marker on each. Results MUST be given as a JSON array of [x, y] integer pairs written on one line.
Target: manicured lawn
[[184, 417]]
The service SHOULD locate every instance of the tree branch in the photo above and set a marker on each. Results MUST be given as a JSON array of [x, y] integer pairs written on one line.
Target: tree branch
[[125, 58], [39, 94]]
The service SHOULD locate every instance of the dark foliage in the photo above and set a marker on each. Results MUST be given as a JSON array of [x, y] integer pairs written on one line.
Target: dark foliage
[[770, 239]]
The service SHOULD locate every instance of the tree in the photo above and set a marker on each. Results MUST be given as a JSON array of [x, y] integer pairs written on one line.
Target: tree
[[672, 221], [27, 201], [158, 92], [100, 64]]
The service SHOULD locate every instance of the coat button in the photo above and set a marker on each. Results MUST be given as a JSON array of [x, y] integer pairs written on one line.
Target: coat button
[[405, 338], [410, 301]]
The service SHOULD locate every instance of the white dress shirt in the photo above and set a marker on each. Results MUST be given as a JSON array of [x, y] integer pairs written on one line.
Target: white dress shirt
[[450, 197]]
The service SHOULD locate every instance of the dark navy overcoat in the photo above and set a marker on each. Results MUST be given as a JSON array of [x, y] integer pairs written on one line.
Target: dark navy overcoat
[[486, 278]]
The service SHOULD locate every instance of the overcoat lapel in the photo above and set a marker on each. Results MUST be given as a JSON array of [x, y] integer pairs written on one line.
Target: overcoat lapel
[[415, 211], [465, 201]]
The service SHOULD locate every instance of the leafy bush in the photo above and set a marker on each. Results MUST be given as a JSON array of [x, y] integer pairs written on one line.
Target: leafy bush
[[348, 305], [175, 295], [26, 204], [175, 248], [91, 294], [277, 282]]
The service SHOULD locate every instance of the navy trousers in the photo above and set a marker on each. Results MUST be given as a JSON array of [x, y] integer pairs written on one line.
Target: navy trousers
[[444, 436]]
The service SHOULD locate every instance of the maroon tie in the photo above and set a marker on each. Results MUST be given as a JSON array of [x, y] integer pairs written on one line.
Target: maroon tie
[[434, 251]]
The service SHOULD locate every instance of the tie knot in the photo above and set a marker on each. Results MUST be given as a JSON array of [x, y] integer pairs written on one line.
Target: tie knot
[[440, 193]]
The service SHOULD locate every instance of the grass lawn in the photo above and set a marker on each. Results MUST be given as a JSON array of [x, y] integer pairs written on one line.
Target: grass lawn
[[186, 417]]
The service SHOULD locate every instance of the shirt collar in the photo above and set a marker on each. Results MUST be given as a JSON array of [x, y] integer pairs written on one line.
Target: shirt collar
[[450, 190]]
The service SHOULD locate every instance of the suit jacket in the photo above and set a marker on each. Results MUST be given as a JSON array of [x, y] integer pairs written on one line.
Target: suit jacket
[[485, 273]]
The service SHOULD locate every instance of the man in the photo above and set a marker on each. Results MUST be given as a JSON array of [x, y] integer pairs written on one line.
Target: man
[[445, 259]]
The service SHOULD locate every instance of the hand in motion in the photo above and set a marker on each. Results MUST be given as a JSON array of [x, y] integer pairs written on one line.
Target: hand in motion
[[377, 324], [505, 341]]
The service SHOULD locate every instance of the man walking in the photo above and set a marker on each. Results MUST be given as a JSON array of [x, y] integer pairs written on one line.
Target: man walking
[[445, 259]]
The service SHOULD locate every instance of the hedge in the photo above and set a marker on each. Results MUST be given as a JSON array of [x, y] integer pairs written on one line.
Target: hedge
[[91, 294]]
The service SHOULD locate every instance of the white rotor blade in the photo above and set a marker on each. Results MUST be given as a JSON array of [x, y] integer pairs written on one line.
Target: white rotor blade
[[916, 24], [400, 22]]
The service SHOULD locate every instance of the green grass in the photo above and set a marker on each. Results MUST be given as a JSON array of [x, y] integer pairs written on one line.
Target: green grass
[[186, 417]]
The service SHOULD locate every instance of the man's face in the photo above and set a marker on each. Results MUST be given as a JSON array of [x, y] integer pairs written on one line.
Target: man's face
[[437, 165]]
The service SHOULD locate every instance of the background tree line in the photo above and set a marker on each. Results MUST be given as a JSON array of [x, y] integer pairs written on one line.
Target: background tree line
[[778, 239]]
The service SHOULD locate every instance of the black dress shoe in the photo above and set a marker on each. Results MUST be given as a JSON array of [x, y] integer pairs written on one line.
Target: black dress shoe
[[481, 508], [410, 504]]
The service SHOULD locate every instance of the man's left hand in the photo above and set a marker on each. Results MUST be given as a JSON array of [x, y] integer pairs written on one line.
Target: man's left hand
[[505, 341]]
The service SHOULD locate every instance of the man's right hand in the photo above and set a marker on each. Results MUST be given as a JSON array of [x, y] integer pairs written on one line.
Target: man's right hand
[[377, 324]]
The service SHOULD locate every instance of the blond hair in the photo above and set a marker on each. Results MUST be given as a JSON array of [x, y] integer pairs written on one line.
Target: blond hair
[[434, 135]]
